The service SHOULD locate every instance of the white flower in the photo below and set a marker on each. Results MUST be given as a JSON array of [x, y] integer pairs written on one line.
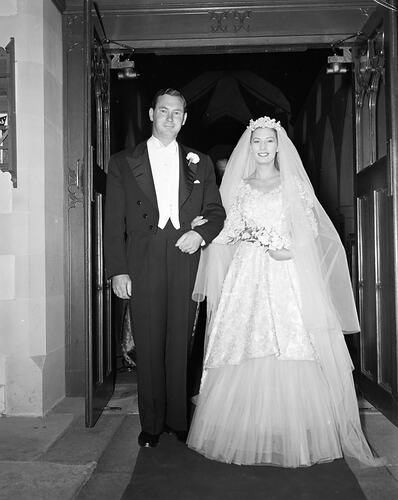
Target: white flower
[[263, 238], [192, 158]]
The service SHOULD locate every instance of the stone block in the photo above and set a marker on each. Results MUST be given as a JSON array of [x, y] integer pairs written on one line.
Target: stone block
[[7, 277], [24, 394], [5, 193]]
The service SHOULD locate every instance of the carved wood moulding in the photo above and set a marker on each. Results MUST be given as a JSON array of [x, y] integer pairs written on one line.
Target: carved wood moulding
[[230, 21], [73, 29], [190, 5], [229, 26], [155, 24], [74, 182]]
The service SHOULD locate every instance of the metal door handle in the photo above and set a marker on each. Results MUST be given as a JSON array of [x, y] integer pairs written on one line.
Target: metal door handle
[[78, 173]]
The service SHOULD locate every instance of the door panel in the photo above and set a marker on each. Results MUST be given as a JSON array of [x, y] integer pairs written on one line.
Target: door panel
[[366, 285], [100, 356], [384, 287], [375, 214], [381, 130]]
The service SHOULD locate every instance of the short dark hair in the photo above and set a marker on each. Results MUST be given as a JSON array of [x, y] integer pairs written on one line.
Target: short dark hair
[[173, 92]]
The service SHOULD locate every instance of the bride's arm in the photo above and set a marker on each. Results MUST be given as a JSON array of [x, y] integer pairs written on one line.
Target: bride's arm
[[234, 224]]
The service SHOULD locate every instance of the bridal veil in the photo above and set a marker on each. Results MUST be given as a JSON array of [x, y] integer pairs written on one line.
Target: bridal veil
[[326, 297]]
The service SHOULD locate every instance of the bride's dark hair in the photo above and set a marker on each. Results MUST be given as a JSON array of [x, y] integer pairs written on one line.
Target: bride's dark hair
[[276, 162]]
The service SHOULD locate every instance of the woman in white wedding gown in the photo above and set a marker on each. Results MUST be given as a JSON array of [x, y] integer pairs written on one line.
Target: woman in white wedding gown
[[277, 385]]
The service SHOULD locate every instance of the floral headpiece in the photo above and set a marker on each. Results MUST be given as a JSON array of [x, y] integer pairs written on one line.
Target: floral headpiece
[[264, 122]]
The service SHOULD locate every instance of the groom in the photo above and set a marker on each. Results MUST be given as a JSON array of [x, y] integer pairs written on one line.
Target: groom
[[154, 192]]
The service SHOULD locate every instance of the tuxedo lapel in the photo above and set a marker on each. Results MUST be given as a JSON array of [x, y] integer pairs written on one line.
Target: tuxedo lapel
[[187, 176], [141, 169]]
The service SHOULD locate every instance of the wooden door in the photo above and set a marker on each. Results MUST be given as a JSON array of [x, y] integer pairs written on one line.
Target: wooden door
[[376, 200], [100, 365]]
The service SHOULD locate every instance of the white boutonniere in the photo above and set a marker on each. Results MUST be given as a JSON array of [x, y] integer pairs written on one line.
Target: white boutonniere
[[192, 158]]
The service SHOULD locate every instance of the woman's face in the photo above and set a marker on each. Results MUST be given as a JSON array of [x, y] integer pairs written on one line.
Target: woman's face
[[264, 145]]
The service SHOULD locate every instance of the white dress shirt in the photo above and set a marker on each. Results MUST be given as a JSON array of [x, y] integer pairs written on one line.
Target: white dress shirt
[[164, 162]]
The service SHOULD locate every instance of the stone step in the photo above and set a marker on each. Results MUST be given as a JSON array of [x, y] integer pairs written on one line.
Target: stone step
[[116, 464]]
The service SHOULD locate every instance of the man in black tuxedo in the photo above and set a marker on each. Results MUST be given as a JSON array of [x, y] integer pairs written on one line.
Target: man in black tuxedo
[[154, 192]]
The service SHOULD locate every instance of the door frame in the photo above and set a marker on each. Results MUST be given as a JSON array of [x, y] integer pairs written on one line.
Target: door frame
[[231, 24], [386, 182], [221, 30]]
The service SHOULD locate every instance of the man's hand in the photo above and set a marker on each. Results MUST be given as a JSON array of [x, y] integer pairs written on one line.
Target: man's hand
[[198, 221], [189, 242], [121, 286]]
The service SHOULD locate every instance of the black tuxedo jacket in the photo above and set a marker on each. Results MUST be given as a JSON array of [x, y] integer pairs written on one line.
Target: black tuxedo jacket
[[131, 205]]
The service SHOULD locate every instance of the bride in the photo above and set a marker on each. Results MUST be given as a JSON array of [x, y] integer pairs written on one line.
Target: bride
[[277, 384]]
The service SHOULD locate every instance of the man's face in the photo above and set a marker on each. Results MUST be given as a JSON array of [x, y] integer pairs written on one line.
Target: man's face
[[167, 118]]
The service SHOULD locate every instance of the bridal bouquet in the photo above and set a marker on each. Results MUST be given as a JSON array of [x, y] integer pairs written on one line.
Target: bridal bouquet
[[266, 237]]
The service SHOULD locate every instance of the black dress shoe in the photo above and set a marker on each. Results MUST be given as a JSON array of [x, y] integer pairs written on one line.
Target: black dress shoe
[[146, 440], [180, 435]]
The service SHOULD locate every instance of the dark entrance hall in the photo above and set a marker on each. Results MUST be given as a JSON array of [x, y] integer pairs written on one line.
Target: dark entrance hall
[[223, 91]]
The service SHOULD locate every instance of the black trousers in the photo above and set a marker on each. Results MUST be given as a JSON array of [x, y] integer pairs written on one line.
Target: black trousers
[[163, 314]]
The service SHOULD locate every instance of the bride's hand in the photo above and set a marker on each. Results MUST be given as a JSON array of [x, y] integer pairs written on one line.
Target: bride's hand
[[198, 221], [282, 254]]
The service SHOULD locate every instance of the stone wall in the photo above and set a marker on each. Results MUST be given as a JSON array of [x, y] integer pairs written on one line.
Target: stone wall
[[32, 324]]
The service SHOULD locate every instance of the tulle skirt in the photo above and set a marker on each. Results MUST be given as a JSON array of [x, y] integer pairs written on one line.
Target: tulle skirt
[[266, 411]]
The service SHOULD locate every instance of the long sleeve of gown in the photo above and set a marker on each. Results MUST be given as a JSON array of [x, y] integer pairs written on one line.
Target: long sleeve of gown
[[234, 223]]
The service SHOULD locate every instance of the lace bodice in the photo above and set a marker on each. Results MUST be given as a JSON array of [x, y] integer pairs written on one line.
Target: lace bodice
[[261, 217], [259, 312], [257, 213]]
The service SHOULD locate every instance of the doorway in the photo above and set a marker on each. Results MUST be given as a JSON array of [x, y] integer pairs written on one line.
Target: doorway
[[224, 91], [317, 109]]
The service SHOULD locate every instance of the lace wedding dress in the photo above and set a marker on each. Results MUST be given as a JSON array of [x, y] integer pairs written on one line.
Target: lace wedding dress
[[264, 398]]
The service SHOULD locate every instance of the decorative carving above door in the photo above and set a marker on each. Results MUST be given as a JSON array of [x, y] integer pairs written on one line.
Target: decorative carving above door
[[178, 24], [230, 21]]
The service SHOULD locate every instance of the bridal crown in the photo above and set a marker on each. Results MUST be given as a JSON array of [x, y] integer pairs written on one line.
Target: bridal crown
[[264, 122]]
